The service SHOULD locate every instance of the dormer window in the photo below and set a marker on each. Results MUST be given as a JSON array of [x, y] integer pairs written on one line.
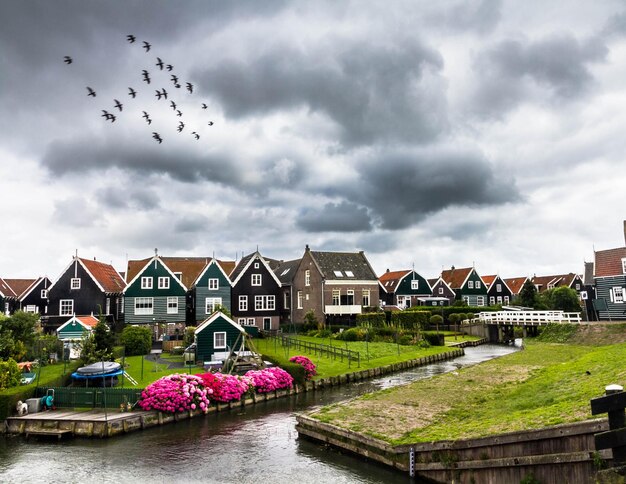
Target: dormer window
[[256, 279], [349, 274], [179, 275], [338, 273], [146, 283], [75, 283], [214, 284], [415, 284]]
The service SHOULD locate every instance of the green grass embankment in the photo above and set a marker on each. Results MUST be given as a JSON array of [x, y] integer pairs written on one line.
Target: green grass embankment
[[546, 384]]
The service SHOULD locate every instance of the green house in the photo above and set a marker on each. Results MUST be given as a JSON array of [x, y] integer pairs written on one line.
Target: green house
[[76, 327], [216, 334]]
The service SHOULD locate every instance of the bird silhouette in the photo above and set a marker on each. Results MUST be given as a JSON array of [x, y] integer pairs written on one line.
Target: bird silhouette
[[173, 104], [204, 106], [181, 126], [157, 137], [196, 135], [174, 79], [161, 93], [177, 86], [146, 76], [147, 117], [189, 87], [130, 38], [210, 123], [92, 93], [118, 104], [132, 92], [159, 63], [108, 116], [146, 46], [178, 113], [67, 59], [169, 67]]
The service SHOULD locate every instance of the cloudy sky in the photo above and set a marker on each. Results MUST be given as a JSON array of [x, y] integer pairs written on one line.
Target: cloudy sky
[[428, 133]]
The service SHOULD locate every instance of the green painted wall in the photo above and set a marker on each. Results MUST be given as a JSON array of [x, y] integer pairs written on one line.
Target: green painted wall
[[175, 289], [423, 289], [72, 331], [202, 291], [204, 338]]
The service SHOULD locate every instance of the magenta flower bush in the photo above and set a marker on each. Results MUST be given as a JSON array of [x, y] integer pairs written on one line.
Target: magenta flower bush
[[309, 367], [176, 393], [227, 388], [270, 379]]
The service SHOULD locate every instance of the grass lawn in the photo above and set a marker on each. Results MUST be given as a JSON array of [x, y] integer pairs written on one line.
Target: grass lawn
[[546, 384], [372, 354], [134, 364]]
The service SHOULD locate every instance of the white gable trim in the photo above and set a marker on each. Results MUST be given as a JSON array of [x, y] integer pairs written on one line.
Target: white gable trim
[[30, 289], [264, 262], [203, 325], [206, 268], [445, 284], [72, 319], [158, 259], [60, 275]]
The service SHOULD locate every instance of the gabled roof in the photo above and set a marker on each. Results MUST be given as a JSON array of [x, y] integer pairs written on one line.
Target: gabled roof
[[343, 266], [455, 278], [286, 270], [88, 322], [488, 280], [515, 284], [609, 262], [390, 280], [219, 265], [189, 267], [20, 286], [105, 275], [203, 325], [245, 262], [228, 266], [156, 259], [434, 282], [5, 289], [555, 280]]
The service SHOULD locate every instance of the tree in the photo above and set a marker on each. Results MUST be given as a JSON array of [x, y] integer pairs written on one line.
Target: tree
[[528, 295], [17, 332], [137, 339], [103, 339], [562, 298], [311, 322]]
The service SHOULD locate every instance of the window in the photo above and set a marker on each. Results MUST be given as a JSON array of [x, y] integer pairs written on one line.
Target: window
[[146, 283], [179, 275], [44, 293], [299, 299], [349, 273], [618, 295], [499, 299], [477, 284], [108, 306], [470, 284], [415, 284], [492, 300], [506, 299], [441, 290], [256, 279], [307, 277], [480, 301], [285, 271], [251, 322], [243, 303], [210, 303], [466, 299], [264, 303], [348, 299], [577, 286], [172, 305], [144, 305], [164, 282], [219, 340], [366, 297], [256, 265], [214, 284], [267, 324], [66, 307], [31, 308], [338, 274], [434, 303], [287, 300], [242, 321], [75, 284], [499, 287], [336, 297]]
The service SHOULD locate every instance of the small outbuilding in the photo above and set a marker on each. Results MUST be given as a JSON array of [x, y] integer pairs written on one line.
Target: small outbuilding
[[74, 329], [216, 336]]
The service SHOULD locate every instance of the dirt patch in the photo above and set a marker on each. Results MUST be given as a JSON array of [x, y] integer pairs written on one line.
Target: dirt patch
[[596, 334]]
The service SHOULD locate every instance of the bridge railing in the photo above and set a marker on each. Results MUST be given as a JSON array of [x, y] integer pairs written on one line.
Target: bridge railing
[[527, 318]]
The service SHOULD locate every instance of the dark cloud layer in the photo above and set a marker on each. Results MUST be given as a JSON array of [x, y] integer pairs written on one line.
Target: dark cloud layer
[[335, 217]]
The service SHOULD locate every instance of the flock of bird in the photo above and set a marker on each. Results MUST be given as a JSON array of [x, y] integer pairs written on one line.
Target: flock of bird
[[160, 94]]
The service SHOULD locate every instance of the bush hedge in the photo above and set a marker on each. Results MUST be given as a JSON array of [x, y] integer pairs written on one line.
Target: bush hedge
[[371, 320], [297, 372], [434, 339]]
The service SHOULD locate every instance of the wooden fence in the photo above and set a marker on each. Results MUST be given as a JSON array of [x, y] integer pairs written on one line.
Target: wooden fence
[[76, 397], [526, 318], [333, 352]]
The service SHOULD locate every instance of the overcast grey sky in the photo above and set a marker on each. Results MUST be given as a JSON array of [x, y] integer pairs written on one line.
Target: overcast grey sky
[[428, 133]]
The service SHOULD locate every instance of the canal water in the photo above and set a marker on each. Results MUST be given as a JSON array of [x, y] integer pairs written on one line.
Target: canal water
[[258, 444]]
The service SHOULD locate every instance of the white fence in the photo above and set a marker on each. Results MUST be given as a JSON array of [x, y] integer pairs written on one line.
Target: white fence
[[527, 318]]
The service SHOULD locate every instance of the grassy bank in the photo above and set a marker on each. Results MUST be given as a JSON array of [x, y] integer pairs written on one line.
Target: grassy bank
[[543, 385]]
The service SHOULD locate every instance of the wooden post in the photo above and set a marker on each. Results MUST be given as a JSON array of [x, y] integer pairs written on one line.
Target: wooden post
[[613, 403]]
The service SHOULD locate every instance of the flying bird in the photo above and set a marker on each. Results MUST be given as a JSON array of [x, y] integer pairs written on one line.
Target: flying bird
[[181, 126], [147, 117], [157, 137], [146, 76], [118, 104], [204, 106], [196, 135], [173, 104], [67, 59], [169, 67], [161, 93], [210, 123], [92, 93], [159, 63], [177, 86], [146, 46], [178, 113], [189, 87], [108, 116], [132, 92], [130, 38]]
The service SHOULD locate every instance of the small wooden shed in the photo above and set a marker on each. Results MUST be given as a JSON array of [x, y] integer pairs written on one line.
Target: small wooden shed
[[216, 334], [76, 327]]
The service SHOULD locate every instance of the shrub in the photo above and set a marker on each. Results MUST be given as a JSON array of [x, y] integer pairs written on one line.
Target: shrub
[[435, 320], [137, 339], [434, 339], [324, 333], [352, 334], [270, 379], [371, 320], [10, 374], [227, 388], [410, 319], [405, 340], [176, 393], [307, 364]]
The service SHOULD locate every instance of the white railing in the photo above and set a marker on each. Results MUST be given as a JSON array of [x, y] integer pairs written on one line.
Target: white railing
[[343, 309], [527, 318]]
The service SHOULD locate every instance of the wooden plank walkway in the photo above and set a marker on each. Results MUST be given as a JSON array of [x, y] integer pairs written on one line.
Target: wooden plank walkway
[[95, 415]]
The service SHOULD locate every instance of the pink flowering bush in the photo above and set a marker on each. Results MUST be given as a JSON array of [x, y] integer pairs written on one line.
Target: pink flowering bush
[[270, 379], [176, 393], [227, 388], [307, 364]]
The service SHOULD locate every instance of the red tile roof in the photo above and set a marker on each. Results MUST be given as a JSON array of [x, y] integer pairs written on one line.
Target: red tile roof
[[90, 321], [609, 262], [189, 267], [390, 280], [6, 290], [20, 286], [555, 280], [228, 266], [515, 284], [456, 277], [105, 275], [488, 280]]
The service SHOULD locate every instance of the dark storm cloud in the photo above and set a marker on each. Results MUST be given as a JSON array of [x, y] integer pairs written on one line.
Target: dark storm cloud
[[560, 64], [373, 90], [122, 197], [401, 190], [474, 16], [192, 224], [335, 217]]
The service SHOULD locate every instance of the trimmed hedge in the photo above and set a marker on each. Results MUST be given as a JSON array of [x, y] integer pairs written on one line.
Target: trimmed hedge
[[409, 319], [435, 339], [296, 371], [371, 320]]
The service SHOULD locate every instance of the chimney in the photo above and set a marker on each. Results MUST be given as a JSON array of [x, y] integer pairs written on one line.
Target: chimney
[[307, 245], [387, 269]]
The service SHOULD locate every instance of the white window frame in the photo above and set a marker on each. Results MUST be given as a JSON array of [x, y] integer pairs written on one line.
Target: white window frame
[[179, 275], [492, 300], [108, 306], [470, 284], [286, 300], [307, 277], [269, 324], [242, 321], [624, 265], [214, 284], [349, 273], [300, 300], [506, 299], [219, 344], [144, 305], [265, 302], [466, 300], [366, 297], [477, 285], [172, 305], [499, 287], [350, 292], [256, 265], [441, 290], [75, 283], [44, 294], [66, 307], [480, 300], [256, 280], [31, 308], [336, 297], [251, 322], [618, 294], [210, 303], [499, 299], [243, 303], [146, 282], [415, 284], [164, 282]]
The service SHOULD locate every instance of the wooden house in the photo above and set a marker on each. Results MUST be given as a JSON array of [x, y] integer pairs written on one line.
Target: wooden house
[[442, 292], [571, 280], [8, 298], [85, 287], [336, 286], [256, 293], [515, 284], [467, 285], [286, 272], [72, 332], [498, 292], [216, 335], [609, 276], [31, 295], [404, 288], [212, 289]]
